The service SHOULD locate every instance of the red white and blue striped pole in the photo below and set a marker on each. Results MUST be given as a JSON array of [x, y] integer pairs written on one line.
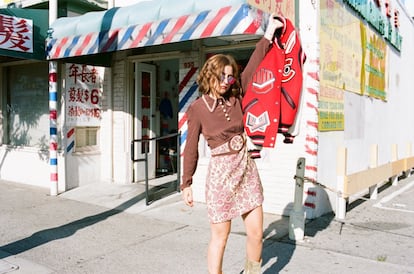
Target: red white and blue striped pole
[[53, 143]]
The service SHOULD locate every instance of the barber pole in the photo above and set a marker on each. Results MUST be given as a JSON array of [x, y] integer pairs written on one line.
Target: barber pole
[[188, 92], [53, 129], [70, 140]]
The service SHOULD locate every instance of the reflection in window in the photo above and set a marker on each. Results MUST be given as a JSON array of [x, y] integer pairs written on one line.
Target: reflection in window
[[27, 106]]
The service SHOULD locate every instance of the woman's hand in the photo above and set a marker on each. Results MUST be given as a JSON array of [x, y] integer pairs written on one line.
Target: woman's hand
[[188, 196], [272, 25]]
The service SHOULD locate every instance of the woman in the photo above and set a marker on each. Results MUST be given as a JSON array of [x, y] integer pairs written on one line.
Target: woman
[[233, 186]]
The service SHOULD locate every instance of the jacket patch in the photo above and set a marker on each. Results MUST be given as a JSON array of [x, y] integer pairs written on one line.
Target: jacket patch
[[263, 81], [257, 123], [288, 71]]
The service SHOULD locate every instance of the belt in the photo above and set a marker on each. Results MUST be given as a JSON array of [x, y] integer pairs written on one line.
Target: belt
[[234, 145]]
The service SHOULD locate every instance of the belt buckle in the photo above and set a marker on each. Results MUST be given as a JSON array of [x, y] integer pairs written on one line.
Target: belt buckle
[[236, 143]]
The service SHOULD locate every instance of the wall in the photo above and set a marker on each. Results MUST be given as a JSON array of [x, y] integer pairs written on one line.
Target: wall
[[28, 166], [371, 121], [122, 121], [82, 169]]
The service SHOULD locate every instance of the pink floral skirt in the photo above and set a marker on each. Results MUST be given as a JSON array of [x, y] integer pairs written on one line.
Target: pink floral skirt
[[233, 186]]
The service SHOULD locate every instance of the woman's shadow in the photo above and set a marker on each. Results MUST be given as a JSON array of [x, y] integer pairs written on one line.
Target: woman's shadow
[[276, 251], [278, 248]]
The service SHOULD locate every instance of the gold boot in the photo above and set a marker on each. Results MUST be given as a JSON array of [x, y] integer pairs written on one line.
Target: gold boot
[[252, 267]]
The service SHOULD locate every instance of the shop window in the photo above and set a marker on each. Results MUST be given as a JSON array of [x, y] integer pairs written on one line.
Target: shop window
[[27, 105], [86, 139]]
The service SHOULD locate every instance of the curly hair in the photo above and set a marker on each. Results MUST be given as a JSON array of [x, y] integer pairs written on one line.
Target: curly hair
[[210, 74]]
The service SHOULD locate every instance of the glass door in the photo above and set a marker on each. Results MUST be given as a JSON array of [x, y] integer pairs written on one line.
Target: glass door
[[144, 119]]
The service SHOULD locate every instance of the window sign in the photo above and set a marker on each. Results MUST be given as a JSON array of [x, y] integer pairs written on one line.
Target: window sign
[[16, 34], [83, 95]]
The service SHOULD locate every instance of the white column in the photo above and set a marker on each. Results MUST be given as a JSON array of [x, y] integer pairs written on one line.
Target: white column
[[373, 190], [340, 177]]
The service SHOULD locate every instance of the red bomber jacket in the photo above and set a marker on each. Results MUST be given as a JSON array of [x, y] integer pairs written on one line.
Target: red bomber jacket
[[272, 81]]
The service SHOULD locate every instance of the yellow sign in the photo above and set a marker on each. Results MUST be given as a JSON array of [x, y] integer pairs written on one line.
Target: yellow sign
[[375, 63], [330, 109], [352, 56], [340, 48]]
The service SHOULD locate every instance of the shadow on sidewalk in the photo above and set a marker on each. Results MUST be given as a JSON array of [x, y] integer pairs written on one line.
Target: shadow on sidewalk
[[274, 257], [47, 235], [279, 249]]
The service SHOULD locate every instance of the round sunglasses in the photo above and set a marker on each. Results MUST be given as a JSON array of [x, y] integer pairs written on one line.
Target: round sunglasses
[[230, 79]]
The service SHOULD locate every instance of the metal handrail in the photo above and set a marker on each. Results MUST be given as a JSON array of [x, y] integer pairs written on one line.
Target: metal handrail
[[146, 142]]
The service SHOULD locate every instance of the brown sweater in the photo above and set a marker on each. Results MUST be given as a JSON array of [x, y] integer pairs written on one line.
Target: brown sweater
[[205, 115]]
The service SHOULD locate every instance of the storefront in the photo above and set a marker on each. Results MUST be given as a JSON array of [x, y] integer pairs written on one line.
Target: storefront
[[149, 81]]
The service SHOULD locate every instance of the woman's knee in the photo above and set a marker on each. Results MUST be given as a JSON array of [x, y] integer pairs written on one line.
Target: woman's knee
[[219, 237], [253, 222], [254, 235], [220, 232]]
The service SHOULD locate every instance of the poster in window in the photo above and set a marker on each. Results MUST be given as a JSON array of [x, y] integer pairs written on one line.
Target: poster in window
[[83, 95]]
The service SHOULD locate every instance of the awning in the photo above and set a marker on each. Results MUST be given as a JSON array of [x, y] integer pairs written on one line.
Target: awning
[[150, 23], [16, 32]]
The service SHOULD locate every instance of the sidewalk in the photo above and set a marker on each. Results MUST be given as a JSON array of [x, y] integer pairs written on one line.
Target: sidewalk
[[113, 231]]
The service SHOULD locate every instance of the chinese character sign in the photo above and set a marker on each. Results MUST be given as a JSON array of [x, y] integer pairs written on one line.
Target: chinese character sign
[[16, 34], [83, 95], [284, 8]]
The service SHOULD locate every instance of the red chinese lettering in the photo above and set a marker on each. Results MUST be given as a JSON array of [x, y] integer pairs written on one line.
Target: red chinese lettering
[[278, 7], [85, 75], [330, 6], [89, 76], [77, 111], [79, 95], [14, 32], [396, 19], [72, 94], [74, 72], [83, 95], [388, 8]]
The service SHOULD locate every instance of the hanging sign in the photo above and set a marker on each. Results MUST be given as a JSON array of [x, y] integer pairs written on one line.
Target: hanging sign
[[16, 33]]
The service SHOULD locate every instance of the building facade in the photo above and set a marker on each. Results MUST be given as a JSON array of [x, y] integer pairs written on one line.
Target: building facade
[[121, 77]]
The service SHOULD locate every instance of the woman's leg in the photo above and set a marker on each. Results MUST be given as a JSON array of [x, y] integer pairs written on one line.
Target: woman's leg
[[253, 221], [219, 235]]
